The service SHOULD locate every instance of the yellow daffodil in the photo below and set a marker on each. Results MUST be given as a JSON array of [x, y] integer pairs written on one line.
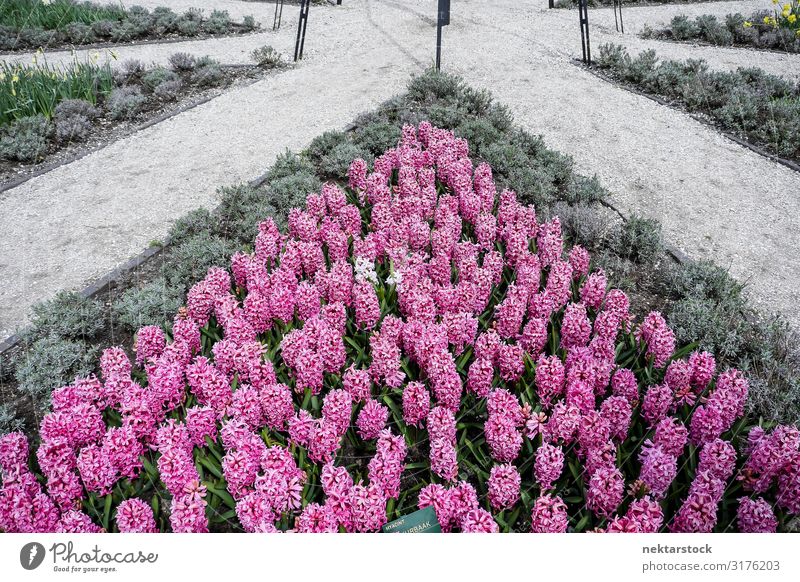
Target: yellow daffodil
[[792, 18], [747, 24], [787, 7], [774, 1]]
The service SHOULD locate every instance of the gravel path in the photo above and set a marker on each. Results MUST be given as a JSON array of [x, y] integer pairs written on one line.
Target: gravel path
[[716, 199], [236, 50]]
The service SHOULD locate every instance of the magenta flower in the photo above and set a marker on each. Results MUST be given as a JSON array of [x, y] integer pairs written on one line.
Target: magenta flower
[[593, 290], [646, 514], [504, 483], [386, 467], [75, 521], [357, 383], [323, 442], [478, 521], [617, 411], [503, 437], [416, 403], [718, 458], [658, 470], [624, 384], [550, 377], [605, 492], [576, 327], [671, 436], [135, 516], [357, 174], [657, 401], [658, 338], [316, 518], [368, 508], [372, 419], [548, 465], [337, 408], [480, 376], [756, 516], [579, 260], [703, 366], [549, 515], [150, 343]]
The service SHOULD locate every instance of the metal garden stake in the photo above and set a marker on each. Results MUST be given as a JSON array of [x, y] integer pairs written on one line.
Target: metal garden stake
[[583, 18], [276, 21], [301, 29], [618, 23]]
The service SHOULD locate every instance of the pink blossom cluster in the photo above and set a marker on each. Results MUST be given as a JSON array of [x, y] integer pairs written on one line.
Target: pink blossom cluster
[[416, 315]]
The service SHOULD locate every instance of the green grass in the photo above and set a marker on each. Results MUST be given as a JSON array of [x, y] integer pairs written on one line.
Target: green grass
[[55, 15], [30, 90]]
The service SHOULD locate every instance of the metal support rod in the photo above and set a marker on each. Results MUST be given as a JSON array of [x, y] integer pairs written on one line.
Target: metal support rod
[[276, 21], [620, 26], [301, 29], [583, 19], [551, 4], [439, 44]]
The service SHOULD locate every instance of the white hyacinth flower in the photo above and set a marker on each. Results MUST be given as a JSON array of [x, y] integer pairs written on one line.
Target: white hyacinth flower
[[394, 278], [365, 270]]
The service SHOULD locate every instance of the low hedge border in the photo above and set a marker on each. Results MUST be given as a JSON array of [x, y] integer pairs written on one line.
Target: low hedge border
[[742, 142], [709, 30], [749, 103]]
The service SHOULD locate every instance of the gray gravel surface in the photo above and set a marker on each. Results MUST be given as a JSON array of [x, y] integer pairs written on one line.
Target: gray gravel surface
[[715, 198]]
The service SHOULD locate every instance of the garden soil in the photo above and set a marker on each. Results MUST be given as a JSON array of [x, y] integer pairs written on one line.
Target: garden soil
[[716, 199]]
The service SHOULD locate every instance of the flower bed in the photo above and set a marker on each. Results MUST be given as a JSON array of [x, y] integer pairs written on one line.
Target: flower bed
[[48, 109], [26, 91], [775, 31], [763, 109], [32, 24], [606, 3], [416, 339]]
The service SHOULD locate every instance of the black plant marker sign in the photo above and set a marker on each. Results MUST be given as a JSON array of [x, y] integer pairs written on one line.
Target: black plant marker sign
[[583, 19], [443, 19]]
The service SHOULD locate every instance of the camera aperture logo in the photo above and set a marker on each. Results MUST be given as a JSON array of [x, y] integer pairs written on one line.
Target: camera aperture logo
[[67, 558], [31, 555]]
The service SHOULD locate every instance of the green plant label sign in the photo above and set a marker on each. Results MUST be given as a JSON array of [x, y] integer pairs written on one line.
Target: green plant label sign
[[422, 521]]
